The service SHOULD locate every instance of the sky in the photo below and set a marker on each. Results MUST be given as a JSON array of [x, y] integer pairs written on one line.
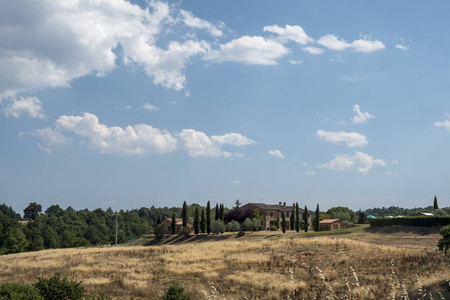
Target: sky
[[129, 104]]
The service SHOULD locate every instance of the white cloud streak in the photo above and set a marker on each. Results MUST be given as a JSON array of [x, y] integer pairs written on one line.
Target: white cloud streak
[[445, 124], [190, 20], [401, 47], [149, 106], [276, 153], [365, 45], [30, 106], [313, 50], [360, 162], [360, 117], [290, 33], [351, 139]]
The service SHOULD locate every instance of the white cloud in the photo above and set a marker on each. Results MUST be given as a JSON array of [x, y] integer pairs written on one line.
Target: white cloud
[[254, 50], [445, 124], [401, 47], [351, 139], [199, 144], [194, 22], [362, 45], [360, 117], [360, 162], [236, 182], [394, 162], [172, 102], [290, 33], [295, 62], [312, 173], [150, 106], [276, 153], [30, 106], [313, 50], [126, 107], [49, 43]]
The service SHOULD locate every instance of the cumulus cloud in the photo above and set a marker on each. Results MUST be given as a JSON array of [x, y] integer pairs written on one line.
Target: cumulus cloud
[[290, 33], [295, 62], [332, 42], [253, 50], [199, 144], [190, 20], [360, 117], [313, 50], [276, 153], [445, 124], [360, 162], [351, 139], [401, 47], [150, 106], [49, 43], [30, 106]]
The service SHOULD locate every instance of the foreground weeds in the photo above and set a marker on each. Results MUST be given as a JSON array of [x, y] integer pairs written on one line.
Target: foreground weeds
[[313, 268]]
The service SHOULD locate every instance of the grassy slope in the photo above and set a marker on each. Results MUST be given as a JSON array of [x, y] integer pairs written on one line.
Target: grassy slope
[[262, 265]]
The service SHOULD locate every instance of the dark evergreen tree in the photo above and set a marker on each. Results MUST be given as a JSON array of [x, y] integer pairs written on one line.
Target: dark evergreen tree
[[208, 218], [203, 222], [435, 204], [317, 219], [216, 212], [173, 225], [158, 221], [237, 204], [292, 219], [283, 222], [306, 218], [32, 211], [221, 212], [196, 221], [184, 214], [297, 218]]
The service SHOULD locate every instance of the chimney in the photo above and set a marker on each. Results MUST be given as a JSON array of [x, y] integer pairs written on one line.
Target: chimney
[[279, 203], [284, 204]]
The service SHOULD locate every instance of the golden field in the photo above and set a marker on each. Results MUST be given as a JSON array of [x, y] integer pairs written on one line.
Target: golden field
[[358, 265]]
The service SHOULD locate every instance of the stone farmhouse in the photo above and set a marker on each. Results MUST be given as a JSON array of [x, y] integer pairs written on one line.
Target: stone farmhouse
[[272, 212], [178, 225], [330, 224]]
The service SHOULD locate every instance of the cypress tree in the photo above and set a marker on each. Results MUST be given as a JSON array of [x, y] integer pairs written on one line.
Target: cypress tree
[[158, 220], [435, 204], [317, 219], [216, 212], [283, 222], [196, 221], [306, 218], [184, 214], [221, 212], [292, 219], [173, 226], [297, 218], [208, 218], [203, 222]]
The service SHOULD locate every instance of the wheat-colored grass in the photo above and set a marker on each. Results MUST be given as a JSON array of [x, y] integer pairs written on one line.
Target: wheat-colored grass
[[234, 269]]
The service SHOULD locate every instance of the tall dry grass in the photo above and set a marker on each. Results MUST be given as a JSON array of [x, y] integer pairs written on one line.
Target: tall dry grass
[[314, 268]]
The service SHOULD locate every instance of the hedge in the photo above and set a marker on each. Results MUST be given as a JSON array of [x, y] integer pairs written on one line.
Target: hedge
[[411, 221]]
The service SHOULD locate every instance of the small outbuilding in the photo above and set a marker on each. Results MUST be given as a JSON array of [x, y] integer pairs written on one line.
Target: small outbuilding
[[330, 224], [178, 225]]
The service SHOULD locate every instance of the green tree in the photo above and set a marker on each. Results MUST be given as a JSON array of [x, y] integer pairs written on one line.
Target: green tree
[[173, 225], [216, 212], [184, 214], [317, 219], [361, 217], [292, 219], [352, 216], [208, 218], [251, 225], [196, 221], [221, 212], [306, 218], [444, 242], [51, 240], [19, 291], [237, 204], [160, 230], [217, 227], [297, 218], [233, 226], [435, 204], [283, 222], [55, 288], [158, 221], [15, 240], [35, 240], [32, 211], [176, 292], [203, 222], [257, 215]]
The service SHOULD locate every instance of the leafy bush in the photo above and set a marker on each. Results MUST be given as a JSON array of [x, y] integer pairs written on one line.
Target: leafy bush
[[273, 228], [55, 288], [444, 242], [160, 230], [241, 233], [176, 292], [233, 226], [19, 291], [185, 231], [217, 227], [411, 221]]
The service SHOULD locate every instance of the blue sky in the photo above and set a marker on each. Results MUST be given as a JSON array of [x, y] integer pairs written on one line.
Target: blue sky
[[128, 104]]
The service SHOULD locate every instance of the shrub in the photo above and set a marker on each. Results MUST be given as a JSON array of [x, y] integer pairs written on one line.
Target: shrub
[[176, 292], [411, 221], [444, 242], [273, 228], [217, 227], [55, 288], [160, 231], [241, 233], [185, 231], [19, 291], [233, 226]]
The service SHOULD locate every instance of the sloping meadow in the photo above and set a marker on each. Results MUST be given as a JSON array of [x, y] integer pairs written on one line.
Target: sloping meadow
[[320, 268]]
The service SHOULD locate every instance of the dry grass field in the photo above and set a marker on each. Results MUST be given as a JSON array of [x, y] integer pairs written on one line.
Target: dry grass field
[[359, 265]]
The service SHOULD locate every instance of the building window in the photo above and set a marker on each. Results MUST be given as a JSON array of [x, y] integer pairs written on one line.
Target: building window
[[287, 215], [271, 214]]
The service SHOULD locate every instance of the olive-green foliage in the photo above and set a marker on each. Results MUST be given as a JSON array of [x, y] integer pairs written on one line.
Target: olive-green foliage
[[55, 288], [176, 292], [233, 226], [241, 233], [185, 231], [273, 228], [160, 231], [217, 227], [444, 242], [17, 291], [256, 215], [352, 216]]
